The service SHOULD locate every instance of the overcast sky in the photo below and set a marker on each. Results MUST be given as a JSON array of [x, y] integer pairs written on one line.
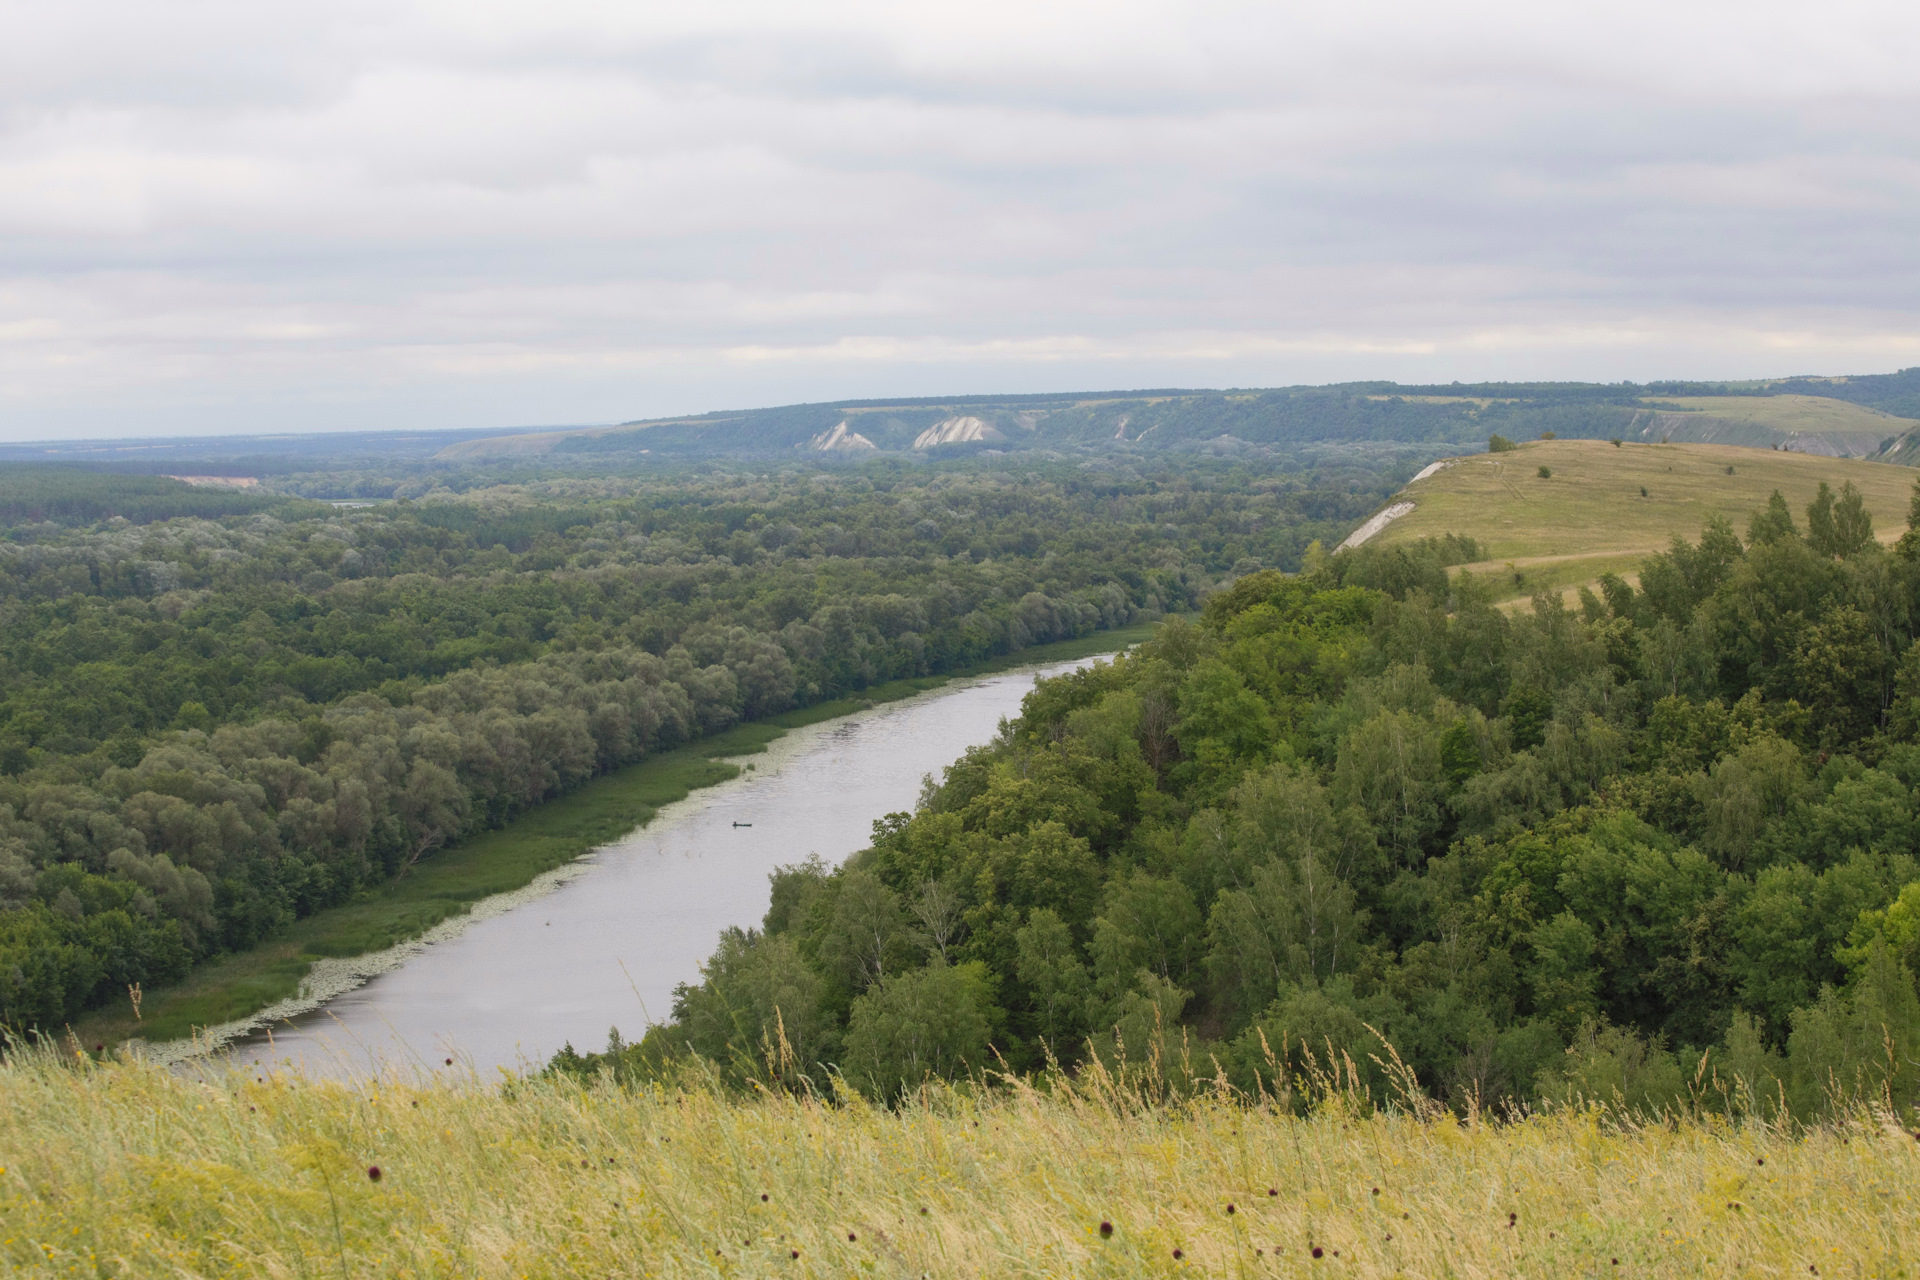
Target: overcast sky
[[257, 216]]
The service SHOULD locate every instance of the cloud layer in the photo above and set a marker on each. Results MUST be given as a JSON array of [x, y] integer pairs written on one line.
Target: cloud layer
[[221, 216]]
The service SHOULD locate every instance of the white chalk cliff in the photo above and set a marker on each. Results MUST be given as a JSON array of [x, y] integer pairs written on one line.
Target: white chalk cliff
[[956, 431], [840, 438]]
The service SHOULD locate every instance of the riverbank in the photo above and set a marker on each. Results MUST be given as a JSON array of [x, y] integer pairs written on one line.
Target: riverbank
[[320, 950]]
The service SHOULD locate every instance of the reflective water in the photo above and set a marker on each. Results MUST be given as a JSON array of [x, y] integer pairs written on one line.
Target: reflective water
[[608, 948]]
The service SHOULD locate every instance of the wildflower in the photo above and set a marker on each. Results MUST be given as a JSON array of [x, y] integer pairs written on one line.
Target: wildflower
[[851, 1236], [1274, 1191], [1229, 1206], [1177, 1255], [1318, 1252], [1513, 1218], [1106, 1229], [763, 1196], [449, 1061], [1376, 1191], [1760, 1160], [796, 1253], [373, 1173]]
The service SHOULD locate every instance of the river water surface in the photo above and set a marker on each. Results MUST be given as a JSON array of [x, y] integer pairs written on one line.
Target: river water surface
[[607, 947]]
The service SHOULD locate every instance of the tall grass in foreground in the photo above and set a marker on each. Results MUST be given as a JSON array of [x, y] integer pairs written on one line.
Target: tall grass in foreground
[[125, 1169]]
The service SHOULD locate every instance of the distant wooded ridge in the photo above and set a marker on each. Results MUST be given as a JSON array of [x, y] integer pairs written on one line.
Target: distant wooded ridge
[[1862, 416]]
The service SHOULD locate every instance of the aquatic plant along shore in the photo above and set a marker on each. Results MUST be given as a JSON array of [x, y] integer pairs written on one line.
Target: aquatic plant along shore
[[330, 977]]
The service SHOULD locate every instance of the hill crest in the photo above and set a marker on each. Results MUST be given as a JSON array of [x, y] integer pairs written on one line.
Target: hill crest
[[1603, 508], [1833, 417]]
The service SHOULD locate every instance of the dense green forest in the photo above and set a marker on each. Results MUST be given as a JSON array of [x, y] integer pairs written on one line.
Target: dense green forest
[[220, 712], [1611, 850], [68, 496]]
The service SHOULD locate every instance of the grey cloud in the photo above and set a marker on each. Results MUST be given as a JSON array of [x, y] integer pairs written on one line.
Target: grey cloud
[[465, 214]]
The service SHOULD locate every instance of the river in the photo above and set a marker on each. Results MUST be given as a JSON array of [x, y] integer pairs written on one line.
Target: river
[[607, 947]]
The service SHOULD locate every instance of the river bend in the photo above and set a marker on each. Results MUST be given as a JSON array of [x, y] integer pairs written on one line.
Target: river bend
[[607, 947]]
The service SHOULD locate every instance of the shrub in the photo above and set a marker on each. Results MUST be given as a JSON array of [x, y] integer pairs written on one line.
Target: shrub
[[1546, 473], [925, 1023], [1615, 1066], [1499, 444]]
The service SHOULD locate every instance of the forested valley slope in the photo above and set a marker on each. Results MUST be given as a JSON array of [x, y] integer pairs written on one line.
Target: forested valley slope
[[1612, 852], [223, 712]]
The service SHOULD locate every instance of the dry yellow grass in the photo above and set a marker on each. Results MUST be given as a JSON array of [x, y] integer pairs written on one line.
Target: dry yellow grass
[[1589, 517], [127, 1170]]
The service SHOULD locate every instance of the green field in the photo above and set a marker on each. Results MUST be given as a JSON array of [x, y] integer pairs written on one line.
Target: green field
[[1795, 413], [235, 986], [1590, 517]]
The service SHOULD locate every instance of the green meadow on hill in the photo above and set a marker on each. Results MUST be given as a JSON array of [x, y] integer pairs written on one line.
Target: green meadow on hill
[[1796, 413], [1606, 507]]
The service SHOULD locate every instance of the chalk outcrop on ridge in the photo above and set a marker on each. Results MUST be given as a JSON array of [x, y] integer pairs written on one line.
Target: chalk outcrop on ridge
[[956, 431], [841, 437]]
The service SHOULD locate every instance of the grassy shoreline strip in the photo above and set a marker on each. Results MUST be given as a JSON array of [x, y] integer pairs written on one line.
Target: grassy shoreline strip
[[548, 836]]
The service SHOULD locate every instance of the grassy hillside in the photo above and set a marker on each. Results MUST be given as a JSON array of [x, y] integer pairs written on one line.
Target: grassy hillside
[[1796, 413], [1801, 423], [121, 1169], [1590, 517]]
